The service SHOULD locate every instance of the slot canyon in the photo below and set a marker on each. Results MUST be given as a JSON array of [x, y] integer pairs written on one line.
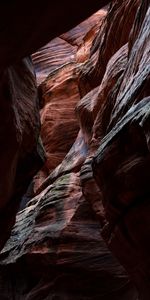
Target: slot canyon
[[75, 150]]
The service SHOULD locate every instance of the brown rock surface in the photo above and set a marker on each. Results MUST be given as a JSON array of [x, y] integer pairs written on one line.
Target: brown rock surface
[[25, 26], [56, 250], [57, 70], [52, 57], [98, 180], [114, 33], [76, 35], [28, 25], [21, 153], [59, 124], [72, 46], [83, 35], [94, 105], [121, 166]]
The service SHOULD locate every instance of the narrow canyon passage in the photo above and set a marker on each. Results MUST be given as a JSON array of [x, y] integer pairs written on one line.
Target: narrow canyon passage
[[75, 153]]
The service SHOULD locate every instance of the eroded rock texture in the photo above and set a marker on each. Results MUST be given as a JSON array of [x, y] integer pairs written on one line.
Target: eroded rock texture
[[57, 68], [113, 34], [125, 186], [85, 233], [21, 150]]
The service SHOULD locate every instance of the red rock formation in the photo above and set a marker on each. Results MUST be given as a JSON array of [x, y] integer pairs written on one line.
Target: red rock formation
[[83, 35], [59, 124], [59, 239], [91, 109], [25, 26], [21, 153], [52, 57], [59, 90], [100, 185], [121, 166], [113, 35], [34, 24]]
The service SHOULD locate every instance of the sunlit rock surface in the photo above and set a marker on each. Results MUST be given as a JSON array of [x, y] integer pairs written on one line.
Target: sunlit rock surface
[[121, 165], [57, 250], [25, 27], [113, 34], [57, 67], [85, 233]]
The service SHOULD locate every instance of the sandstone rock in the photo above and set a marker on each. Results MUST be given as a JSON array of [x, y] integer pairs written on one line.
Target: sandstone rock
[[59, 123], [75, 36], [35, 24], [60, 94], [57, 70], [56, 251], [72, 46], [114, 33], [83, 35], [135, 83], [92, 108], [20, 151], [72, 162], [124, 191], [25, 27], [52, 57], [121, 166]]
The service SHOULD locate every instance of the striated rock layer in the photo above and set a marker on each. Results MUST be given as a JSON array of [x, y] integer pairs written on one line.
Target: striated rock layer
[[21, 151], [85, 233], [125, 185], [56, 250], [57, 68], [25, 26]]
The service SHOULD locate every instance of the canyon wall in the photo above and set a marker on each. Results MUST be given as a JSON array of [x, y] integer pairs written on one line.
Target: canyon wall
[[25, 26], [84, 235]]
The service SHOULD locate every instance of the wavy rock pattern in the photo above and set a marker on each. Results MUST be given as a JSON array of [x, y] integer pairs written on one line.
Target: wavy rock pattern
[[21, 153], [58, 236], [59, 92], [126, 149], [114, 33], [91, 204], [22, 33]]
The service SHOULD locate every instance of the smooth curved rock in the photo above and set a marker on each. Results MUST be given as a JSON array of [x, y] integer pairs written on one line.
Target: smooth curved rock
[[57, 71], [57, 242], [121, 166], [56, 249], [51, 58], [93, 109], [135, 83], [125, 186], [33, 24], [114, 33], [21, 153], [25, 27]]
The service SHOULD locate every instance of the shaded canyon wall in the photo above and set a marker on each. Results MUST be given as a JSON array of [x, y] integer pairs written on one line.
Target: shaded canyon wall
[[85, 233]]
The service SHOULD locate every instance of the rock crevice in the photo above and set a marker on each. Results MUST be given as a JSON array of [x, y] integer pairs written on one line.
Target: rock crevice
[[86, 226]]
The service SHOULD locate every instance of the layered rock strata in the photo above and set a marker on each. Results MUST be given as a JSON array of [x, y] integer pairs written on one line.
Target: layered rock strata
[[93, 207], [21, 150]]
